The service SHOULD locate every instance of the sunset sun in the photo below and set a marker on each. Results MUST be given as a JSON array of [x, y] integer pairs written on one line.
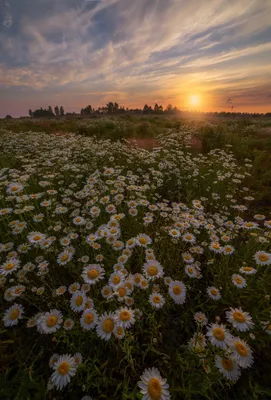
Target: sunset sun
[[194, 100]]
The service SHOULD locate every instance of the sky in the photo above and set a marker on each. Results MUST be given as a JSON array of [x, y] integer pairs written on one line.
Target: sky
[[210, 55]]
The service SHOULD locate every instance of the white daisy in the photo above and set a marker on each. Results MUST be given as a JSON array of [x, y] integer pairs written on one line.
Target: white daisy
[[9, 266], [238, 281], [12, 315], [177, 291], [65, 368], [106, 326], [89, 319], [214, 293], [200, 318], [153, 386], [157, 300], [153, 270], [50, 321], [218, 335], [78, 301], [239, 319], [242, 352], [262, 258], [124, 317], [92, 273], [228, 368], [143, 240]]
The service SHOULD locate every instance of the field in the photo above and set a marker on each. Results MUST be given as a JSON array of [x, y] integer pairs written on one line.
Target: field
[[135, 243]]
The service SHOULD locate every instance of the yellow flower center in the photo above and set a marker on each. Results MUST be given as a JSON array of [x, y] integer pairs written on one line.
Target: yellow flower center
[[79, 301], [154, 389], [93, 274], [108, 325], [9, 266], [152, 270], [14, 188], [63, 368], [137, 279], [188, 237], [65, 257], [219, 334], [116, 279], [52, 321], [177, 290], [156, 299], [214, 292], [238, 280], [89, 318], [122, 292], [239, 317], [241, 349], [249, 224], [119, 330], [216, 245], [190, 270], [227, 364], [125, 316], [144, 283], [36, 238], [263, 257], [106, 291], [247, 269], [14, 314], [142, 240]]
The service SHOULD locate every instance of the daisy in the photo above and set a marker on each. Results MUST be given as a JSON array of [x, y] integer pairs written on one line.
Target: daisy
[[131, 243], [106, 291], [78, 359], [188, 258], [89, 319], [50, 321], [219, 335], [248, 270], [228, 367], [197, 343], [143, 240], [238, 281], [262, 258], [242, 352], [78, 301], [125, 317], [12, 315], [216, 247], [92, 273], [106, 326], [153, 386], [9, 266], [118, 245], [153, 270], [177, 291], [175, 233], [116, 279], [214, 293], [64, 257], [119, 332], [200, 318], [65, 368], [189, 238], [68, 324], [241, 320], [61, 290], [156, 300], [53, 359], [36, 237], [227, 250], [74, 287]]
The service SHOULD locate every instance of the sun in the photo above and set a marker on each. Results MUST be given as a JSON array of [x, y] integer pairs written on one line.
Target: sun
[[194, 100]]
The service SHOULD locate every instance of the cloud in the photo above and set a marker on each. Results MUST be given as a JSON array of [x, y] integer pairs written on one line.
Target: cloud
[[143, 47]]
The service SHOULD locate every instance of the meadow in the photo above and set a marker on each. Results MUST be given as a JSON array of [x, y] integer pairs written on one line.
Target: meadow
[[135, 273]]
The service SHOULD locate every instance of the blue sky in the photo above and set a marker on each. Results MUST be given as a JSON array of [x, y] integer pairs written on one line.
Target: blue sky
[[77, 52]]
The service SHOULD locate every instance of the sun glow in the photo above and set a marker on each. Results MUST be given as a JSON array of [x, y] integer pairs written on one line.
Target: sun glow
[[194, 100]]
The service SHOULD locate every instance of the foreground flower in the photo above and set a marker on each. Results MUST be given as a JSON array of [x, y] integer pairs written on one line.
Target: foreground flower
[[65, 368], [177, 291], [219, 336], [153, 386], [106, 326], [50, 321], [242, 352], [13, 314], [262, 258], [89, 319], [125, 317], [239, 319], [228, 368]]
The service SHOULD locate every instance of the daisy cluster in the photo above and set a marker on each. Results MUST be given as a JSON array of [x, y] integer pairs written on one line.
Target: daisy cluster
[[97, 236]]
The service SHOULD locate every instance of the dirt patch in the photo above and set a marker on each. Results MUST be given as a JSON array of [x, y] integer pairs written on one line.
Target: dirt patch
[[196, 143], [144, 143]]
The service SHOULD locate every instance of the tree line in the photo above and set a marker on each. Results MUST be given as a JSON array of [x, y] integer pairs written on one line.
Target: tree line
[[47, 112]]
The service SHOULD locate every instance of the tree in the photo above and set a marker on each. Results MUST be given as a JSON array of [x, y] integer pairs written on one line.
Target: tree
[[57, 111], [30, 113], [62, 112], [110, 107], [50, 110], [8, 117]]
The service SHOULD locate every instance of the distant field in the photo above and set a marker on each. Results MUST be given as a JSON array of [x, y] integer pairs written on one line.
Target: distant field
[[135, 242]]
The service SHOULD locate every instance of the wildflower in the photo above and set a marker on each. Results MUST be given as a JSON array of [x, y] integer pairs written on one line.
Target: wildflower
[[262, 258], [238, 281], [177, 291], [242, 352], [64, 369], [106, 326], [9, 266], [200, 318], [248, 270], [218, 335], [92, 273], [12, 315], [228, 368], [143, 240], [125, 317], [153, 269], [89, 319], [78, 301], [153, 386], [156, 300], [68, 324], [214, 293], [50, 321], [239, 319]]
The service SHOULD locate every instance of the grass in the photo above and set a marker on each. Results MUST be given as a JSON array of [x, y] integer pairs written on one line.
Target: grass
[[48, 181]]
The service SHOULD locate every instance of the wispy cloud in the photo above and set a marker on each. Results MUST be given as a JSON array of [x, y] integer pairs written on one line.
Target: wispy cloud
[[135, 49]]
